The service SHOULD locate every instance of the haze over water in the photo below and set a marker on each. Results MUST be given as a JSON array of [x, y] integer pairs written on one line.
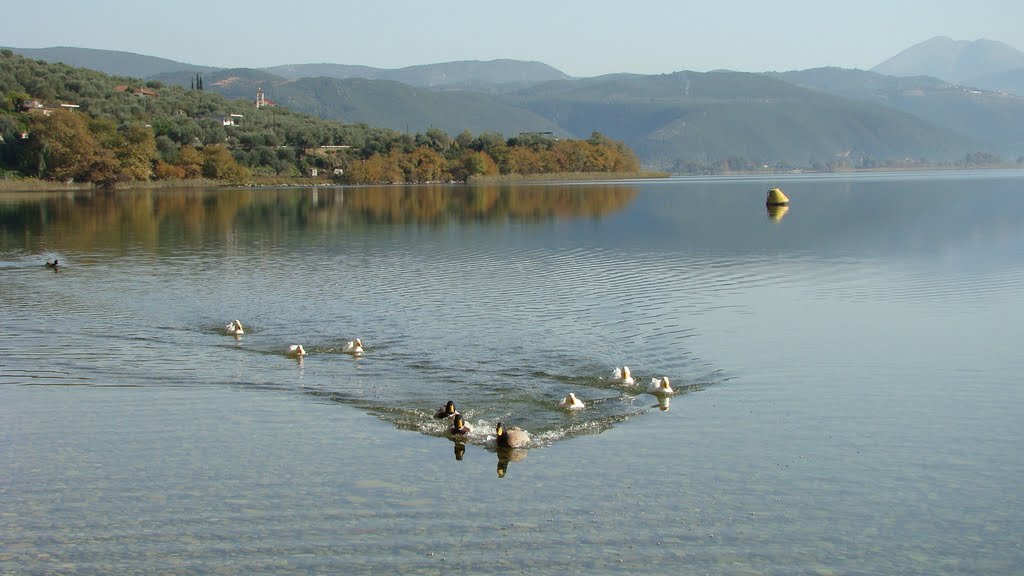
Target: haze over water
[[847, 380]]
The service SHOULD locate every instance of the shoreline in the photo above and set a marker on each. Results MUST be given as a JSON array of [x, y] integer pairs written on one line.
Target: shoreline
[[23, 185], [567, 177]]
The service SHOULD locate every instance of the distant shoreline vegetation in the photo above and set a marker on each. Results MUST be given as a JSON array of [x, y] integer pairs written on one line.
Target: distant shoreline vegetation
[[742, 166], [567, 177], [9, 184], [71, 125]]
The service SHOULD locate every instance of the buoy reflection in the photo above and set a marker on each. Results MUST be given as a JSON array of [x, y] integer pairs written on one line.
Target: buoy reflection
[[776, 212]]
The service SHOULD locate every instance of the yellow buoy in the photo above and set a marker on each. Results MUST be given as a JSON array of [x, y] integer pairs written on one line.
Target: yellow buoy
[[776, 198]]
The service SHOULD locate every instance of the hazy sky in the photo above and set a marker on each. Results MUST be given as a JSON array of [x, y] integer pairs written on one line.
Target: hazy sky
[[581, 38]]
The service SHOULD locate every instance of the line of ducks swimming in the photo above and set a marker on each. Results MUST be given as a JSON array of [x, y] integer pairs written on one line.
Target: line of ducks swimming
[[354, 347], [513, 437], [511, 443], [658, 386], [505, 437]]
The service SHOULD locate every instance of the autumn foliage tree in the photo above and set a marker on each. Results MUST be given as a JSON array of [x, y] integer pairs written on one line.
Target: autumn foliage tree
[[219, 164], [136, 152], [488, 155], [190, 160], [61, 147]]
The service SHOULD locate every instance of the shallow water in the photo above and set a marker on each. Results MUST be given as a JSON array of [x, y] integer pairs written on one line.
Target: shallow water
[[846, 382]]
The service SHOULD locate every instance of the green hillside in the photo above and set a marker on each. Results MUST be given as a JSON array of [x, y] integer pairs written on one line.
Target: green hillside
[[674, 119], [405, 108], [230, 82], [383, 103], [69, 124], [458, 72], [995, 120], [445, 74], [324, 69], [111, 62]]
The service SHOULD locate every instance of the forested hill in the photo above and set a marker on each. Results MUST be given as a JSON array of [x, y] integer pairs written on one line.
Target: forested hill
[[440, 75], [736, 120], [64, 123], [113, 62], [384, 103], [443, 74], [993, 119]]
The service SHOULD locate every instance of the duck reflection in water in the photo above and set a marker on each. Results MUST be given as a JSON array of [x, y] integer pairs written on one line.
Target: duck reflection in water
[[663, 403], [506, 455], [460, 450]]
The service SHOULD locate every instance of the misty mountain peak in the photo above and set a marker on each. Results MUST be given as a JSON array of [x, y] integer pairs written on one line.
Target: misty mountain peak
[[955, 61]]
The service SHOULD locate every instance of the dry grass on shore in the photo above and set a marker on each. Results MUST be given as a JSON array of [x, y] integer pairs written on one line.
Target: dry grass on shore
[[33, 185], [36, 185]]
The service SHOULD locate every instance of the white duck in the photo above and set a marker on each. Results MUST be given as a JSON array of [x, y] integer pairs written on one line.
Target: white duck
[[296, 351], [623, 376], [353, 347], [660, 386], [234, 328], [571, 402]]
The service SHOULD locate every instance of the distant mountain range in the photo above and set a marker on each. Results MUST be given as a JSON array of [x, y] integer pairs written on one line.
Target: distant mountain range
[[981, 64], [110, 62], [903, 108], [428, 75], [432, 75], [994, 120]]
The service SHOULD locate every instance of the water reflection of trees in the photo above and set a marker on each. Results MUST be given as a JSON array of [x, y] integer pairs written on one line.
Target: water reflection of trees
[[485, 203], [86, 220]]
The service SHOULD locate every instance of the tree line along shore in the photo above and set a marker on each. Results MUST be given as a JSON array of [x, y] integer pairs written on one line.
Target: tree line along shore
[[62, 125]]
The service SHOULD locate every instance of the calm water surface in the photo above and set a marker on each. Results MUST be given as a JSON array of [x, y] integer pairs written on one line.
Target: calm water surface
[[847, 401]]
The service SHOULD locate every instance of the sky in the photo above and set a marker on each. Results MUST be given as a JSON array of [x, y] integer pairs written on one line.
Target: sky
[[580, 38]]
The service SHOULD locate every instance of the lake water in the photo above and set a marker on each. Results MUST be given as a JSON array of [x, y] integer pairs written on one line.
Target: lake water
[[847, 374]]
